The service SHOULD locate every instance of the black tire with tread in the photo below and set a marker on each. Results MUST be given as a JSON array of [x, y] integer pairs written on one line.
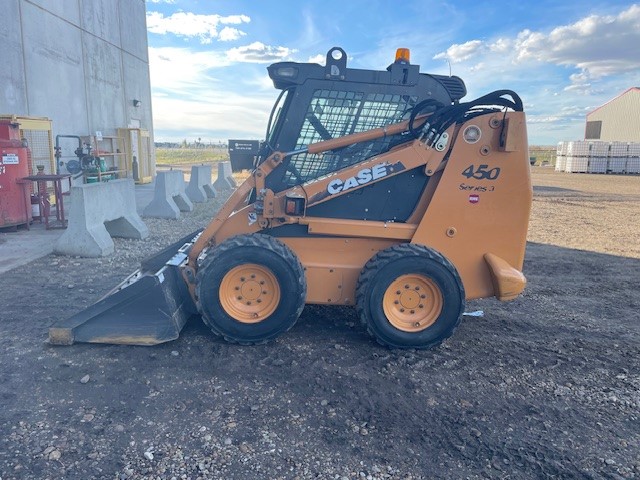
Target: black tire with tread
[[259, 249], [387, 265]]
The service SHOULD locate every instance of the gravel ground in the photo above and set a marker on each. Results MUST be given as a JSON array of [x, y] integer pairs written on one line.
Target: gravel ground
[[546, 386]]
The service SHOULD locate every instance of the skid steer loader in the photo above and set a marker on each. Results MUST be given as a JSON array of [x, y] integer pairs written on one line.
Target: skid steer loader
[[375, 189]]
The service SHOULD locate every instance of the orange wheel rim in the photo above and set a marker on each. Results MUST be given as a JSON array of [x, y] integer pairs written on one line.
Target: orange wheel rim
[[412, 303], [249, 293]]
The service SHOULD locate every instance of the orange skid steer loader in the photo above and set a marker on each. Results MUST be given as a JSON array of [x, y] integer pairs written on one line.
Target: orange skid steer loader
[[376, 189]]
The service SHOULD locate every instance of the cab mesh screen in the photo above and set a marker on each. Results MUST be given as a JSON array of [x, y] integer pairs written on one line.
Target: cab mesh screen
[[333, 114]]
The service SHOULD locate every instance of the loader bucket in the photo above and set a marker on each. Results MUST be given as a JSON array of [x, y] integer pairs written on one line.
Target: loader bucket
[[151, 306]]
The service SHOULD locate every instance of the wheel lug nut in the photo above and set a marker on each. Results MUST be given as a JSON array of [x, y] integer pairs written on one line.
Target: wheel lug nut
[[417, 288], [264, 292], [242, 279], [248, 303], [398, 292], [239, 298], [406, 286], [412, 312], [421, 306], [423, 296], [253, 276], [237, 288], [261, 282], [402, 310], [259, 301], [417, 324], [396, 302]]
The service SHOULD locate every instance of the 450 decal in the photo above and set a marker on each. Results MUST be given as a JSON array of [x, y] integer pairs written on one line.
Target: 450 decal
[[482, 172]]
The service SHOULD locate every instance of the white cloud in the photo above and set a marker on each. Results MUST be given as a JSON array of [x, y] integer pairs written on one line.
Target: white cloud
[[561, 72], [221, 116], [189, 25], [565, 70], [551, 119], [459, 53], [581, 83], [319, 59], [195, 96], [572, 111], [230, 33], [182, 69], [501, 45], [598, 45], [258, 52], [561, 114], [162, 1], [261, 82]]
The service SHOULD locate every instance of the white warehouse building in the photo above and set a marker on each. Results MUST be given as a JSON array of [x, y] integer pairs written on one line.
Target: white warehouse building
[[618, 120], [612, 139]]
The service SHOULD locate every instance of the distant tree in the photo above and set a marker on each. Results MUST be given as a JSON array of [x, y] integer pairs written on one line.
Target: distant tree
[[184, 143]]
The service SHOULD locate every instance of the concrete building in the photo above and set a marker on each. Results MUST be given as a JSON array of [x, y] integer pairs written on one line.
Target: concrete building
[[617, 120], [82, 63]]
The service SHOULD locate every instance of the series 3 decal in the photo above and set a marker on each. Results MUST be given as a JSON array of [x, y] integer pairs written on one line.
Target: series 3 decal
[[480, 172], [476, 188]]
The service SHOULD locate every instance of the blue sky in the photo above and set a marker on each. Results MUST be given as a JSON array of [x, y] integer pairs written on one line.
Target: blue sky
[[208, 58]]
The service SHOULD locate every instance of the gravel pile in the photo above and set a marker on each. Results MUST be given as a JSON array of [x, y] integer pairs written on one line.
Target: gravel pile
[[92, 275], [163, 232], [546, 386]]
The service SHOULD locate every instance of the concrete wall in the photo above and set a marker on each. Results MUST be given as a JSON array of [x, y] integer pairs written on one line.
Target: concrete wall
[[13, 89], [79, 62]]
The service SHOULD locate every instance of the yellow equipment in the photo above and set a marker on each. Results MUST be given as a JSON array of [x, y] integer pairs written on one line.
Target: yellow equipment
[[376, 189]]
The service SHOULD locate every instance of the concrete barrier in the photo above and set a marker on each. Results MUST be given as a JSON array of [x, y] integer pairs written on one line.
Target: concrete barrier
[[225, 181], [200, 188], [169, 197], [99, 211]]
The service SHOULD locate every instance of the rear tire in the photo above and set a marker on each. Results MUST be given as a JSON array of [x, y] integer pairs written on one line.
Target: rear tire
[[410, 296], [251, 289]]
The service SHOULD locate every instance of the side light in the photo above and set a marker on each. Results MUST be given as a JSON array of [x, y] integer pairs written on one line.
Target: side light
[[294, 204], [287, 72]]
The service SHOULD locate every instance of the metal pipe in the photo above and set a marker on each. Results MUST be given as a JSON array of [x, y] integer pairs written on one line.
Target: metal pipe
[[58, 149]]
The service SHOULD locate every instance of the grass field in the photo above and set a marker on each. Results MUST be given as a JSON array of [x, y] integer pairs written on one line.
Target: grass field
[[190, 156], [543, 154]]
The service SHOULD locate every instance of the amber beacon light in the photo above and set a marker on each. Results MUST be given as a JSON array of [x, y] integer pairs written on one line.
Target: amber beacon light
[[403, 55]]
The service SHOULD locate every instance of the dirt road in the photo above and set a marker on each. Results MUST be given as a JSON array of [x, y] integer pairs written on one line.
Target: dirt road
[[545, 386]]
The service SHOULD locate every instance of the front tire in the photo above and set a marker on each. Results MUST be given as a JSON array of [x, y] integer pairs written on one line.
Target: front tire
[[410, 296], [251, 289]]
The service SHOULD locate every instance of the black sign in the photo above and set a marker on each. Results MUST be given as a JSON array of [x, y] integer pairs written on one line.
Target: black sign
[[244, 146], [242, 154]]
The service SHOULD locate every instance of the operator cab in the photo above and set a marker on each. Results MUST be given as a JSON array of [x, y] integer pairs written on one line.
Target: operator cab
[[320, 103]]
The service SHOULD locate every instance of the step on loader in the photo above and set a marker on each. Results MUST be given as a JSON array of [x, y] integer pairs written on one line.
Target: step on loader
[[380, 190]]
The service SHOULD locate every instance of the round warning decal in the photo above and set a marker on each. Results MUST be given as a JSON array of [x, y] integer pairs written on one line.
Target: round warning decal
[[472, 134], [474, 198]]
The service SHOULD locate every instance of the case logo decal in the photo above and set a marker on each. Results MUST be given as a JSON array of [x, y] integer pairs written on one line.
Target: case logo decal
[[363, 177]]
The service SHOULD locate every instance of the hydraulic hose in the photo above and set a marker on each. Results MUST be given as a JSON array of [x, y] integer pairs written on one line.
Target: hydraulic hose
[[443, 116]]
